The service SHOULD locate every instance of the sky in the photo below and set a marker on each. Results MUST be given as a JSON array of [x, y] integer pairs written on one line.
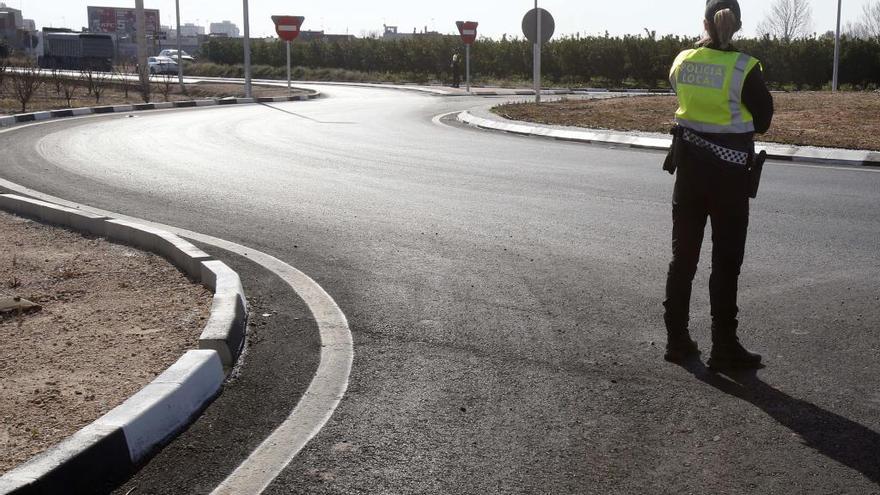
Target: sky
[[496, 17]]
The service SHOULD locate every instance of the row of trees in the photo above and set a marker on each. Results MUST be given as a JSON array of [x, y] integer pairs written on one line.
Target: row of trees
[[598, 60], [793, 19], [24, 83]]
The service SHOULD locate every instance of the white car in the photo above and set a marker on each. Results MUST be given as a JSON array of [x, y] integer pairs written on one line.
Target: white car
[[172, 54], [162, 65]]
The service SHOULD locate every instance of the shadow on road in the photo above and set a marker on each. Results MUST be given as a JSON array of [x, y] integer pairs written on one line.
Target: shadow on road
[[832, 435]]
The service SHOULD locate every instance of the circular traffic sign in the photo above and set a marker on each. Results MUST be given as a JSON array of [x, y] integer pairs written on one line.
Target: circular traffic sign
[[530, 25]]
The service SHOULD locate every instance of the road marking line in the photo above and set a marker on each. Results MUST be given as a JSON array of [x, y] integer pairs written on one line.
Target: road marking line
[[327, 387]]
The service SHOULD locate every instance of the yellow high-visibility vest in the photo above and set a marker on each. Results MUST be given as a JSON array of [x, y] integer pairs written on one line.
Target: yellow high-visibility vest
[[709, 84]]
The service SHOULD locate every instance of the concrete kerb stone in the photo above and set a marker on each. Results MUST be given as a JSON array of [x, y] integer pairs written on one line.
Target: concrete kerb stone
[[179, 252], [108, 450], [158, 411], [54, 214], [88, 459], [77, 112], [226, 328], [822, 156]]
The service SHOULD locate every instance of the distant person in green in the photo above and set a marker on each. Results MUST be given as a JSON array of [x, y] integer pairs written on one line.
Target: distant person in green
[[456, 70], [723, 102]]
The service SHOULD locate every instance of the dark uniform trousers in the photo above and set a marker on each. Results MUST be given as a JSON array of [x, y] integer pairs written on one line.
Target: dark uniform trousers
[[707, 189]]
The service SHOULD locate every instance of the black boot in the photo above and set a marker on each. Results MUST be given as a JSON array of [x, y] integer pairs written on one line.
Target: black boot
[[728, 353], [680, 347]]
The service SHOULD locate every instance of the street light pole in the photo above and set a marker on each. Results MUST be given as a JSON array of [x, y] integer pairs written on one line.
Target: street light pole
[[836, 79], [141, 22], [247, 52], [179, 50], [537, 55]]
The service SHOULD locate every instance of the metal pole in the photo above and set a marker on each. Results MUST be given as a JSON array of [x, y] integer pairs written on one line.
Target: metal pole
[[141, 22], [467, 51], [179, 50], [837, 49], [289, 89], [538, 56], [247, 52]]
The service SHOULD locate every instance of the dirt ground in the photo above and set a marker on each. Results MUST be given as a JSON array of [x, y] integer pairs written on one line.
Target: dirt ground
[[842, 120], [112, 319], [50, 97]]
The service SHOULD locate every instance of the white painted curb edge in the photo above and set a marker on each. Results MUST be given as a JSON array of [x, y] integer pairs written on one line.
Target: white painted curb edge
[[111, 447], [138, 107], [825, 156]]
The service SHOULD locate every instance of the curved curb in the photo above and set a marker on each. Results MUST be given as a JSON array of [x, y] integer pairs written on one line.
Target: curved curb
[[109, 449], [808, 154], [329, 383], [140, 107]]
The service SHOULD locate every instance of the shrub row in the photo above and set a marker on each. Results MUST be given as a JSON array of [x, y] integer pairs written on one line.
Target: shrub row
[[617, 61]]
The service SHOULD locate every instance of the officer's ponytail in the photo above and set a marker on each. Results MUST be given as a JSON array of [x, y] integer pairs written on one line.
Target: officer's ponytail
[[726, 25], [721, 29]]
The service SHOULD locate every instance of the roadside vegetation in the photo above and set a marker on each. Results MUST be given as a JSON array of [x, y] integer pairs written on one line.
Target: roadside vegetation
[[574, 61], [28, 90], [837, 120]]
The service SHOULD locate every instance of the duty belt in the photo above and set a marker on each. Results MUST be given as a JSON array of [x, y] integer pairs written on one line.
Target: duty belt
[[728, 155]]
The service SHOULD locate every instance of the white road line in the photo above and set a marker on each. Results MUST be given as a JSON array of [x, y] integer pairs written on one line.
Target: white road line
[[328, 385]]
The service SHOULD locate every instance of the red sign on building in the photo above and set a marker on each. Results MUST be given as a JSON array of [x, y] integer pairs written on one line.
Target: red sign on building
[[120, 21], [468, 31], [287, 26]]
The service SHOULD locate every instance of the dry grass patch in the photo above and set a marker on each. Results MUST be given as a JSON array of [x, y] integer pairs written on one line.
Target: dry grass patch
[[843, 120]]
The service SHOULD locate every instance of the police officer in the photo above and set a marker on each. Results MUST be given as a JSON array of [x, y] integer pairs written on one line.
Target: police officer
[[723, 102], [456, 70]]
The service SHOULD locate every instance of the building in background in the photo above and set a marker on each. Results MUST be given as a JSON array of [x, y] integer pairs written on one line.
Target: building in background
[[19, 33], [190, 30], [391, 33], [10, 18], [307, 36], [121, 23], [225, 29], [191, 40]]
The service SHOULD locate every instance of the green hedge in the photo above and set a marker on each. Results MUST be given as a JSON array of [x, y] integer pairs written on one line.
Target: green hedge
[[602, 60]]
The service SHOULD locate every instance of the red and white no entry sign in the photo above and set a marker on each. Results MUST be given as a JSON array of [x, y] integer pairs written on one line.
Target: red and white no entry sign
[[468, 30], [287, 26]]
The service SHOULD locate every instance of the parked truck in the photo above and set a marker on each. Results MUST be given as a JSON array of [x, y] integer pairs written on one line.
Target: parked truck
[[66, 49]]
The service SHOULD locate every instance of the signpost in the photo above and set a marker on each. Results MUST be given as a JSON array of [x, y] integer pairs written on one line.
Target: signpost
[[248, 88], [538, 27], [179, 51], [835, 79], [468, 31], [288, 29]]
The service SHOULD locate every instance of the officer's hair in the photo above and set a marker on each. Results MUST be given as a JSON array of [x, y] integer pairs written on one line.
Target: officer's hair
[[725, 24], [721, 29]]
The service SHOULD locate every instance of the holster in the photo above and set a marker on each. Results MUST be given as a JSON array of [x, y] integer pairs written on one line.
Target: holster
[[756, 167], [670, 164]]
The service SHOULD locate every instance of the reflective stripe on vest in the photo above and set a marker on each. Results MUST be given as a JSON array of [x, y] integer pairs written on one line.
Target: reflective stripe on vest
[[709, 85]]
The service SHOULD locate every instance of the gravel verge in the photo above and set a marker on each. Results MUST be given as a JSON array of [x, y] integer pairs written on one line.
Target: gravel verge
[[112, 319], [842, 120]]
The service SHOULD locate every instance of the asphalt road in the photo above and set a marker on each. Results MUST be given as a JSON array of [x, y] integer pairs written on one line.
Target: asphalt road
[[505, 298]]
